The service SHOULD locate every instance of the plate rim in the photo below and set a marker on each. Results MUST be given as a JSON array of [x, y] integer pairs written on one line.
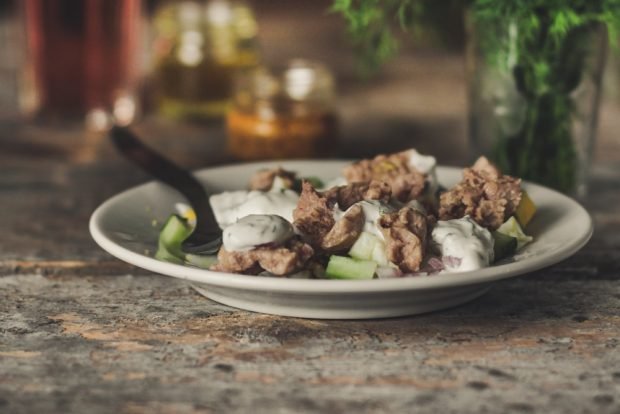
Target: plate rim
[[328, 286]]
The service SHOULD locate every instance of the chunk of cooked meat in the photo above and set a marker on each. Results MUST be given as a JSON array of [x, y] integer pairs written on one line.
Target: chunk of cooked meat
[[405, 181], [314, 215], [406, 236], [345, 231], [279, 260], [486, 195], [347, 195], [263, 180]]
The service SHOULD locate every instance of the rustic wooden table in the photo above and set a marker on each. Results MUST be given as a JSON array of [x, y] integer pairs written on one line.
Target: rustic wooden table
[[83, 332]]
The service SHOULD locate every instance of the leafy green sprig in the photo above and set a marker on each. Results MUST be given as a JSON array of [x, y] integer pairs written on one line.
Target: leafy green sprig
[[375, 26]]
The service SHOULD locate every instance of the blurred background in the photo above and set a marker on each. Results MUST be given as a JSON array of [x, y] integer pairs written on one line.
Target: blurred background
[[218, 81], [70, 68]]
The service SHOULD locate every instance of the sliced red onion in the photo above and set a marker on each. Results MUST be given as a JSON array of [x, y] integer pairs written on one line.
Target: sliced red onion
[[388, 272], [434, 265], [451, 262]]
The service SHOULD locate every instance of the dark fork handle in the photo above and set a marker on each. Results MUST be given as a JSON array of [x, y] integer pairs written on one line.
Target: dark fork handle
[[176, 177]]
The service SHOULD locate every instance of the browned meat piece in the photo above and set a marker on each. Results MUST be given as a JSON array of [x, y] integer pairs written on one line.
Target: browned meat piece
[[347, 195], [346, 230], [485, 168], [484, 194], [263, 180], [236, 262], [378, 190], [313, 216], [285, 260], [406, 235], [406, 182], [280, 261]]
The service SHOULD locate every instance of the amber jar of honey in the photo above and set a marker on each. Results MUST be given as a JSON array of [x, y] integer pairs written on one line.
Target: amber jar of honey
[[286, 113]]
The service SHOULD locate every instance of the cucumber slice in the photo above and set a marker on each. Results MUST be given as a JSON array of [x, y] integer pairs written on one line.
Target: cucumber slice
[[315, 182], [512, 228], [202, 261], [504, 246], [369, 247], [165, 256], [379, 255], [340, 267], [364, 246], [175, 230]]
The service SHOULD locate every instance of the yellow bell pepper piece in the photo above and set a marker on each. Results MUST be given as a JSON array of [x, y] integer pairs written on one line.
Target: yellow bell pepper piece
[[525, 210]]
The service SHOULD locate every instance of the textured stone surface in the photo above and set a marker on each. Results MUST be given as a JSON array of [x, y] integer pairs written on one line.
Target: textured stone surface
[[150, 343]]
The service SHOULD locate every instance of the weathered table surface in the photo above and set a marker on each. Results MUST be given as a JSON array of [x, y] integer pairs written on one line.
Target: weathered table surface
[[83, 332]]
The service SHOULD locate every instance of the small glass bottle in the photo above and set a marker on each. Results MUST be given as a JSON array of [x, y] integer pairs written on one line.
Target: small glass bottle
[[198, 48], [283, 114]]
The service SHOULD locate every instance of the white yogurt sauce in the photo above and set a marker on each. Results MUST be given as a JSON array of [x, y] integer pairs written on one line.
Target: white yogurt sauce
[[423, 163], [373, 210], [256, 230], [277, 184], [230, 206], [464, 239], [426, 164], [336, 182]]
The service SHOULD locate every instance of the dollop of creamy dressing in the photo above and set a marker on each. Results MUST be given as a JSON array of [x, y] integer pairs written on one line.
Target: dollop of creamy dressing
[[231, 206], [255, 230], [336, 182], [277, 184], [373, 210], [426, 164], [464, 239]]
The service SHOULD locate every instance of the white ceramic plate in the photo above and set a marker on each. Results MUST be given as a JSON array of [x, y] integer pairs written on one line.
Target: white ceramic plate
[[127, 227]]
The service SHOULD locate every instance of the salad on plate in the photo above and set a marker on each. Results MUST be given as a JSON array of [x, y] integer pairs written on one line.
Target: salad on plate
[[385, 217]]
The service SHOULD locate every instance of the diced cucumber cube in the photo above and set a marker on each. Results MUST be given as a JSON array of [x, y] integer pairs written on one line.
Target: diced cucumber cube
[[340, 267], [165, 256], [504, 246], [202, 261], [512, 228], [364, 246], [379, 255], [175, 230]]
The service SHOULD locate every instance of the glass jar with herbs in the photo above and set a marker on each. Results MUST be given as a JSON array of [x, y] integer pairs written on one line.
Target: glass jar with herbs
[[534, 77], [285, 113]]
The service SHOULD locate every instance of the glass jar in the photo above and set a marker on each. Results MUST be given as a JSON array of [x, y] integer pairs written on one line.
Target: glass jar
[[82, 59], [288, 113], [533, 100], [198, 48]]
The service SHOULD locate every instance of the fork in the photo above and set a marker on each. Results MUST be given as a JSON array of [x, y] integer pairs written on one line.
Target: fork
[[206, 238]]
